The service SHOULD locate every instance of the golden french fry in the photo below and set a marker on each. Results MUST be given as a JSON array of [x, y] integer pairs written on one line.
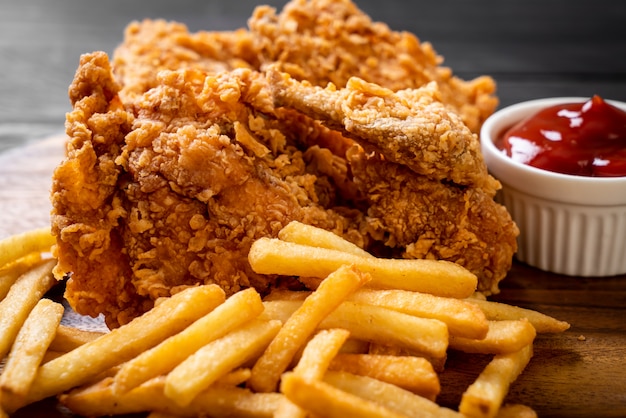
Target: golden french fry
[[235, 378], [27, 352], [217, 358], [304, 234], [316, 357], [10, 272], [68, 338], [27, 290], [17, 246], [414, 374], [221, 401], [438, 363], [497, 311], [462, 318], [388, 395], [503, 337], [319, 353], [442, 278], [322, 399], [161, 359], [301, 324], [375, 324], [516, 411], [484, 396], [89, 360]]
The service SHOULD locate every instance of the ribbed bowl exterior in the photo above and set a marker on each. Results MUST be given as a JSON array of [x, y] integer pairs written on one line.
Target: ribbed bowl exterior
[[568, 239]]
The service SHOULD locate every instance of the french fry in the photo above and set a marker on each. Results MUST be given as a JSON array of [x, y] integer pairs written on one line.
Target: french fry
[[316, 357], [375, 324], [484, 396], [235, 378], [221, 401], [438, 363], [17, 246], [89, 360], [414, 374], [304, 234], [68, 338], [442, 278], [27, 290], [217, 358], [323, 399], [462, 318], [161, 359], [503, 337], [10, 272], [301, 325], [320, 352], [27, 352], [388, 395], [500, 311]]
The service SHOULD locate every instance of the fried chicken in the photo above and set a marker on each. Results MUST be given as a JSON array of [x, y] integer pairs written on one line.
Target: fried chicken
[[151, 46], [186, 148], [427, 188], [174, 191], [330, 41], [410, 127]]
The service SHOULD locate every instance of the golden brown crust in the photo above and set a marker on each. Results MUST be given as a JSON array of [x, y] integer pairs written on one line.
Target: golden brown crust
[[330, 41], [410, 127]]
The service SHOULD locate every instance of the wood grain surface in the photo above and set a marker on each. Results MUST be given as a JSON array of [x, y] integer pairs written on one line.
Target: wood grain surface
[[579, 373]]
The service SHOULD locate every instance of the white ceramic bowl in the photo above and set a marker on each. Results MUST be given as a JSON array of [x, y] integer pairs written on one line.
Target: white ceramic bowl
[[571, 225]]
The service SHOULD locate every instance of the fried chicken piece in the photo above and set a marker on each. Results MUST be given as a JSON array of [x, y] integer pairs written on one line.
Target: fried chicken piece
[[428, 193], [173, 191], [418, 217], [410, 127], [151, 46], [86, 210], [330, 41]]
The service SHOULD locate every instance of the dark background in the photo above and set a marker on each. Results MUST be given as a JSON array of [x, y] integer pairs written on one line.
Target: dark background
[[533, 48]]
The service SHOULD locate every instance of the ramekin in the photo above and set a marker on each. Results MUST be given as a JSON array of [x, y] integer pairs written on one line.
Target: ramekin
[[571, 225]]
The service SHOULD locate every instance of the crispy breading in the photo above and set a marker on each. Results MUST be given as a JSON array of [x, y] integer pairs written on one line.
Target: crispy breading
[[418, 217], [151, 46], [330, 41], [410, 127]]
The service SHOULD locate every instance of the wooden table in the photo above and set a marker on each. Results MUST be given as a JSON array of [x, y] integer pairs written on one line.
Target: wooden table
[[532, 48]]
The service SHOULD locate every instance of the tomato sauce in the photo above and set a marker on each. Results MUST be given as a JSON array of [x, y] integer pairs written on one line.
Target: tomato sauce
[[585, 139]]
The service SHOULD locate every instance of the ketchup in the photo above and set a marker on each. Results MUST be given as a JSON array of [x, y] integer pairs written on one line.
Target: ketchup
[[584, 139]]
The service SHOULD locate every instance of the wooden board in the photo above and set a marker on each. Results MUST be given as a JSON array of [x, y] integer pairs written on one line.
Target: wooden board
[[579, 373]]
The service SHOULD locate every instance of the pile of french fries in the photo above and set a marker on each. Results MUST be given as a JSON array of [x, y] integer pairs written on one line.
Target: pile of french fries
[[368, 339]]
